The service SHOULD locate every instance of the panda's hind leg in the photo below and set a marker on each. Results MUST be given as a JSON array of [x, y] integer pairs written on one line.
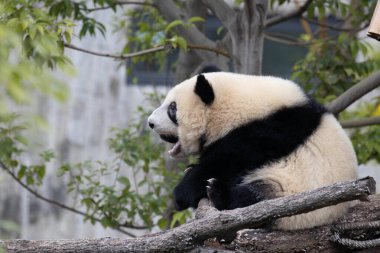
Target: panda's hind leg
[[224, 196]]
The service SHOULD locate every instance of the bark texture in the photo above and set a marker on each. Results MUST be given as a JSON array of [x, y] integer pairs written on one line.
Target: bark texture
[[309, 240], [211, 223], [246, 30]]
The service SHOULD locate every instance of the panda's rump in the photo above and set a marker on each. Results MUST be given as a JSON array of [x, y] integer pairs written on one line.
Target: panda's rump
[[325, 158]]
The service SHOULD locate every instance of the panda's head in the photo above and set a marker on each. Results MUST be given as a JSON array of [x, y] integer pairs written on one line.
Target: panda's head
[[181, 119], [206, 107]]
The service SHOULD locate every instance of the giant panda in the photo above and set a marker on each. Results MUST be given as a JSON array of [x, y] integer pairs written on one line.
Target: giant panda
[[257, 138]]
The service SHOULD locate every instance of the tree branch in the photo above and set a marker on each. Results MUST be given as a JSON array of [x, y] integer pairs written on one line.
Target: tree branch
[[56, 203], [335, 28], [216, 223], [120, 3], [283, 39], [119, 56], [144, 52], [354, 93], [215, 50], [193, 35], [361, 122], [284, 17], [225, 14]]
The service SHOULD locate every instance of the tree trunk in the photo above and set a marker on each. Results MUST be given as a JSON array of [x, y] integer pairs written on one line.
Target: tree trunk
[[248, 38], [246, 32]]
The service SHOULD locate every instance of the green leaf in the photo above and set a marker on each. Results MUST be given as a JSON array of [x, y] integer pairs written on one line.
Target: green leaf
[[32, 32], [67, 35], [125, 181], [21, 139], [162, 223], [177, 217], [29, 180], [181, 43], [196, 19], [173, 24], [47, 156], [21, 172]]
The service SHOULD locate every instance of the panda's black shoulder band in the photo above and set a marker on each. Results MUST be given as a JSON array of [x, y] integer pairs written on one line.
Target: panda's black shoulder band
[[204, 90]]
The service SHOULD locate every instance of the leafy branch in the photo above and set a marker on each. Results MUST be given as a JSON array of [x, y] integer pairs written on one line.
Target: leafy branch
[[118, 3], [354, 93], [56, 203]]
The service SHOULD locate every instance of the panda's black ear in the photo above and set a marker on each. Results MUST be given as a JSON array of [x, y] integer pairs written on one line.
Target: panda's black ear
[[204, 90]]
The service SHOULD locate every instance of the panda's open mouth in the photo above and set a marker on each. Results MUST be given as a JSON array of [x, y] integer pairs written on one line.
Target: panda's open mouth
[[176, 149]]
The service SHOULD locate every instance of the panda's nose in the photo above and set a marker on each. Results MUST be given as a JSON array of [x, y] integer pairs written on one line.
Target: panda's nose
[[151, 125]]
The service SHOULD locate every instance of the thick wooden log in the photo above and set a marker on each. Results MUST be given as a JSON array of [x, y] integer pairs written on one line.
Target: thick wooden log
[[213, 224], [308, 240]]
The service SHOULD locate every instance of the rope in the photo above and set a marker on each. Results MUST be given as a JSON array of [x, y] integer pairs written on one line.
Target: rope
[[352, 243]]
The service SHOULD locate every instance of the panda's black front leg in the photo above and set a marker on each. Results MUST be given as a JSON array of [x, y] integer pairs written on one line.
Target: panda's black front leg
[[192, 188], [226, 196]]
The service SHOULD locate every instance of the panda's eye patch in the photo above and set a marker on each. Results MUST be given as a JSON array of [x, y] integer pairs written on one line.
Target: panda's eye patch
[[172, 112]]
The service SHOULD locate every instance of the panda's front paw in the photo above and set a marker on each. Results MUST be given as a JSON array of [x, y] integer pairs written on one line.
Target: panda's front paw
[[217, 193], [186, 195]]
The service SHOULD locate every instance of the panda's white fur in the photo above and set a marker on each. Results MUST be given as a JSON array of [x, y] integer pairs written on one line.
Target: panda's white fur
[[325, 157]]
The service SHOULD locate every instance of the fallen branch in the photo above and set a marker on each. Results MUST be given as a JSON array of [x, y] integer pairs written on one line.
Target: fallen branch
[[215, 223], [354, 93]]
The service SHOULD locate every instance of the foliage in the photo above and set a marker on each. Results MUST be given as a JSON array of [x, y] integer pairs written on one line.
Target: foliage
[[133, 189], [366, 140], [327, 77], [13, 145], [149, 29], [127, 192], [25, 45]]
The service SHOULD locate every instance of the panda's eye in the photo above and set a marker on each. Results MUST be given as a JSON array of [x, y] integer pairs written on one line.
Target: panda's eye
[[172, 112]]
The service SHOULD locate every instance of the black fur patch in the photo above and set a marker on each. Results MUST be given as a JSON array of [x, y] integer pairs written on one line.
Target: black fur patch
[[224, 196], [263, 141], [204, 90], [246, 149]]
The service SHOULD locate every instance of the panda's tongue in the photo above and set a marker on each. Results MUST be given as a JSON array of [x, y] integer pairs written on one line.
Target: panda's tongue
[[175, 150]]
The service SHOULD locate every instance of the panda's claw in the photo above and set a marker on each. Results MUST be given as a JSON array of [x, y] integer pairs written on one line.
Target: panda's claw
[[211, 180]]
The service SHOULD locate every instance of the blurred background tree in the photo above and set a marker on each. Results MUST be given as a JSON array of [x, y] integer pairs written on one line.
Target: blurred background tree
[[320, 44]]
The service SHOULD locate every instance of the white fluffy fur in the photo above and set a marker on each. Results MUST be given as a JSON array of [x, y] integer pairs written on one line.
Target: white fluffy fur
[[238, 100]]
